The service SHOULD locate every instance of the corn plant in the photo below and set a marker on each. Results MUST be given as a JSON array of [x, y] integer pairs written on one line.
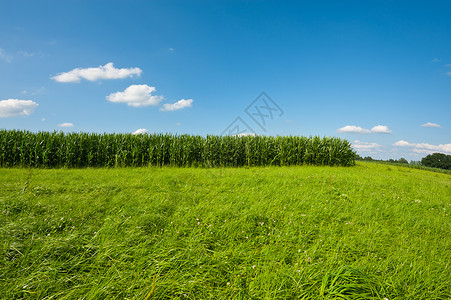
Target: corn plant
[[75, 150]]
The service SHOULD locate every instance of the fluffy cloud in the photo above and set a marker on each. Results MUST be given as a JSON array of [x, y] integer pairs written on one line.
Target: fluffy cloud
[[425, 148], [358, 145], [66, 125], [357, 129], [137, 96], [15, 107], [140, 131], [177, 105], [107, 71], [429, 124], [353, 129], [380, 129]]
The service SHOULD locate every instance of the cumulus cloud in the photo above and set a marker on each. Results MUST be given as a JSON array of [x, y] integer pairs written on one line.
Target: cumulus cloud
[[15, 107], [358, 145], [357, 129], [177, 105], [140, 131], [107, 71], [381, 129], [424, 147], [429, 124], [66, 125], [137, 96], [353, 129]]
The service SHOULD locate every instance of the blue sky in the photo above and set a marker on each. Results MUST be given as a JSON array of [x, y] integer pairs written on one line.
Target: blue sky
[[377, 73]]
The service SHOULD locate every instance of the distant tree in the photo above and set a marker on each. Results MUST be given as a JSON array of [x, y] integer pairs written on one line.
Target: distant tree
[[437, 160], [358, 157], [368, 158], [402, 160], [391, 160], [415, 162]]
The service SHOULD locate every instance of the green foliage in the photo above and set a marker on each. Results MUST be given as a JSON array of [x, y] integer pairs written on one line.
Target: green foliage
[[369, 232], [437, 160], [56, 149]]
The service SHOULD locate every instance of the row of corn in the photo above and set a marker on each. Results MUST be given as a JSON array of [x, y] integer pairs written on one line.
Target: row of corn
[[58, 149]]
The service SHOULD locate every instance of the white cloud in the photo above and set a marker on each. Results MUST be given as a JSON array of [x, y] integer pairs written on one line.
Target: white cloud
[[171, 49], [436, 60], [107, 71], [26, 53], [380, 129], [4, 56], [140, 131], [66, 125], [357, 129], [15, 107], [424, 147], [353, 129], [177, 105], [245, 134], [137, 96], [429, 124], [178, 124], [402, 143], [365, 146]]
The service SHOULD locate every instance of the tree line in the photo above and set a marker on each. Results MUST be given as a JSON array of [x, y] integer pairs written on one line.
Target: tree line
[[435, 160]]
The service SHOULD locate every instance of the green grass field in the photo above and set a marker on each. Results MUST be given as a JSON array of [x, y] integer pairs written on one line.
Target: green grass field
[[371, 231]]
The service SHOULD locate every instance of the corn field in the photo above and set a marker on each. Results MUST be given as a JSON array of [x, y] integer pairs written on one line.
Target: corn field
[[74, 150]]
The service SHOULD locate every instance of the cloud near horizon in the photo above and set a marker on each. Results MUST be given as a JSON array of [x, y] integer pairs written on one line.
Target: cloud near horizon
[[177, 105], [140, 131], [429, 124], [363, 146], [66, 125], [424, 147], [136, 96], [107, 71], [357, 129], [16, 107]]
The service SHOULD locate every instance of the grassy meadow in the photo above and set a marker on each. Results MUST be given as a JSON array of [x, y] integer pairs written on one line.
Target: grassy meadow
[[371, 231]]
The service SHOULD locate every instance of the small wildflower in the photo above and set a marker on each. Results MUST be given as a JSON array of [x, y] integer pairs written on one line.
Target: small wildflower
[[253, 267], [228, 283]]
